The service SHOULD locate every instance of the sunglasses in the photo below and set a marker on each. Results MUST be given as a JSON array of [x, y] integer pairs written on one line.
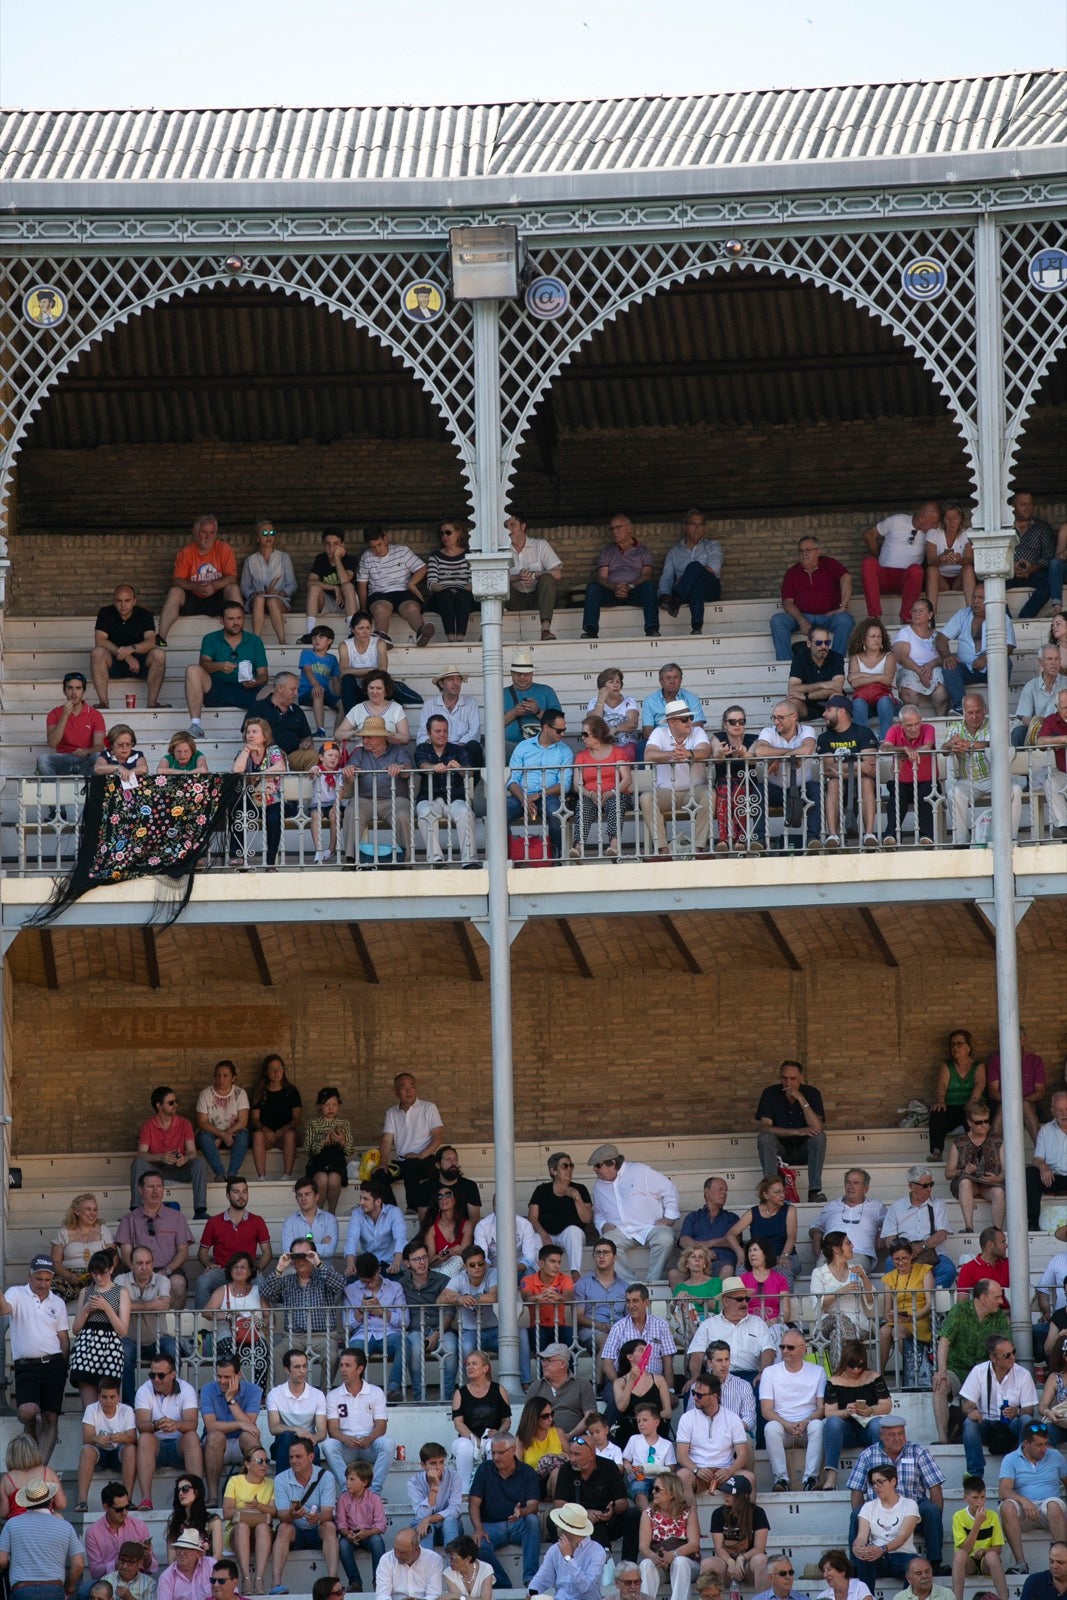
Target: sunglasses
[[155, 1375], [735, 722], [186, 1488], [927, 1185], [215, 1582]]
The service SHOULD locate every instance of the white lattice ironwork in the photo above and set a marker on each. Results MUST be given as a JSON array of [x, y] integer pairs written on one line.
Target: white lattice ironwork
[[103, 292], [605, 278], [864, 267], [1033, 325]]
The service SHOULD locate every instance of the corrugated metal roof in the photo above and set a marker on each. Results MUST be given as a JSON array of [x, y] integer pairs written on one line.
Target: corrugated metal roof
[[1018, 109]]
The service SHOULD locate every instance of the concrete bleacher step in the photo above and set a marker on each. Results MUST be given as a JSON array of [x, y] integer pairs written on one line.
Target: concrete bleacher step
[[751, 615], [50, 1181]]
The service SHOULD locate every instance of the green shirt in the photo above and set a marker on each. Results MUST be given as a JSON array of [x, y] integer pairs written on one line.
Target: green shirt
[[967, 1336], [217, 647]]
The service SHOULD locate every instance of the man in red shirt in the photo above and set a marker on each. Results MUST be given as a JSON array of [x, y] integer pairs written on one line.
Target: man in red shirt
[[991, 1262], [234, 1229], [167, 1145], [815, 589], [75, 734], [913, 781], [205, 577], [1053, 736]]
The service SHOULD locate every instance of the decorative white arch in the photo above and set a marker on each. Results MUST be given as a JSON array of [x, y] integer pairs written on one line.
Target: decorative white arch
[[435, 363], [1033, 329], [943, 339]]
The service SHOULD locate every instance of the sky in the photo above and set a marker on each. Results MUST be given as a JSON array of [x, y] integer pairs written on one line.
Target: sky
[[357, 52]]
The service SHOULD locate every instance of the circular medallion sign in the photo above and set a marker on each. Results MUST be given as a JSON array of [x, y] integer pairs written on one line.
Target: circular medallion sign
[[547, 297], [924, 278]]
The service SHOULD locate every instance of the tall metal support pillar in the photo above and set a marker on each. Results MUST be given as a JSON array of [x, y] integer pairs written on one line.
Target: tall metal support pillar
[[490, 564], [6, 940], [993, 543]]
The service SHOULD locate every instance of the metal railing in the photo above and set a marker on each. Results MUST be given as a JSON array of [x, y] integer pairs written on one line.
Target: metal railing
[[416, 1352], [391, 820]]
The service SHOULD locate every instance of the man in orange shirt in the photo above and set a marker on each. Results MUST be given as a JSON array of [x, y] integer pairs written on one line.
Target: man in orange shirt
[[548, 1290], [205, 577]]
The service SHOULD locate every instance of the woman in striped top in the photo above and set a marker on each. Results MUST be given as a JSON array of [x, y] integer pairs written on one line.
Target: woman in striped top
[[448, 578]]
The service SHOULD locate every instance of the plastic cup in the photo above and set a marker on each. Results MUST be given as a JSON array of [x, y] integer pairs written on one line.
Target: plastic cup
[[131, 701]]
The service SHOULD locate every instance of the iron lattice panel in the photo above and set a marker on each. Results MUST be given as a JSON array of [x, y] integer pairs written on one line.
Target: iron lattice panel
[[605, 280], [103, 292], [1033, 324]]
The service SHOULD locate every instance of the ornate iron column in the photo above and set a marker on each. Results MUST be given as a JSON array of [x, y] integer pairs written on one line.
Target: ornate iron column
[[993, 545]]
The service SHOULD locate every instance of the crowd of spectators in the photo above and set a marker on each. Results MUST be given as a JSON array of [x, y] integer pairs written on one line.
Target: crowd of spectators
[[374, 771], [625, 1457]]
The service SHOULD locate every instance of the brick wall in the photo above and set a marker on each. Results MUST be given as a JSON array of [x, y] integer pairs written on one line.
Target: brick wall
[[590, 1059], [120, 513]]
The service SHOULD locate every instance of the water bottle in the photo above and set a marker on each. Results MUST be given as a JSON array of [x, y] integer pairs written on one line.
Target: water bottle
[[735, 1589]]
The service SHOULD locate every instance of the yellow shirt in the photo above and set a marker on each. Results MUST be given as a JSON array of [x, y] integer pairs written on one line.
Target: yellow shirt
[[245, 1494], [906, 1288], [551, 1445], [990, 1538]]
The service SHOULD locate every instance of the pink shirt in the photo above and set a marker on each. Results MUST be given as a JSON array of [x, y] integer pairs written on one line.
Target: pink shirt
[[174, 1585], [102, 1543], [365, 1515], [767, 1297]]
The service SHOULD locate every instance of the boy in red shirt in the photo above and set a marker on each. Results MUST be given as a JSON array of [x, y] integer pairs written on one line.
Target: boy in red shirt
[[549, 1289]]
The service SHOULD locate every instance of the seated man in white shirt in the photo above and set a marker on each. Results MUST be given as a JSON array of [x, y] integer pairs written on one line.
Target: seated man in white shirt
[[855, 1215], [678, 753], [413, 1131], [751, 1345], [533, 578], [634, 1204], [295, 1409], [791, 1399], [1048, 1174], [712, 1443], [923, 1221], [526, 1242], [998, 1397], [408, 1572]]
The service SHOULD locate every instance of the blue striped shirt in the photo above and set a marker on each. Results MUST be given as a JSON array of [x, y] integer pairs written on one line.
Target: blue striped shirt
[[41, 1547]]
